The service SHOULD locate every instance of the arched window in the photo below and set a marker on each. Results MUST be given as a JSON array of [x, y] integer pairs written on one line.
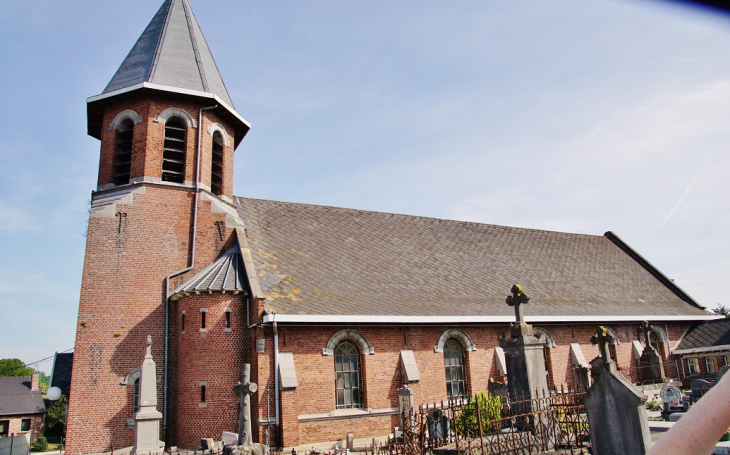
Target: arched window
[[454, 364], [216, 165], [123, 152], [173, 155], [348, 376]]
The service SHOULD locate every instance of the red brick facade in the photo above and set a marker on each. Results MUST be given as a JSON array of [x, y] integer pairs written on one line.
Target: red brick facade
[[15, 425], [132, 248], [306, 410], [129, 252]]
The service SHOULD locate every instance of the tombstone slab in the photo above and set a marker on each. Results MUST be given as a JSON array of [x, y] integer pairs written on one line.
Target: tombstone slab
[[616, 414]]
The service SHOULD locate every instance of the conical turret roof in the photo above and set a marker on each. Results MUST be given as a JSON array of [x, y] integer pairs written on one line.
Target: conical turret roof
[[171, 55], [172, 51]]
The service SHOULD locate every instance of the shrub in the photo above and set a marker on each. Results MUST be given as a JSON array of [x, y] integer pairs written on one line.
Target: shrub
[[490, 412], [39, 445]]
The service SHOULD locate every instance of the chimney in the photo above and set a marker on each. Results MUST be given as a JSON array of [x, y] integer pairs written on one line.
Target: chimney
[[34, 382]]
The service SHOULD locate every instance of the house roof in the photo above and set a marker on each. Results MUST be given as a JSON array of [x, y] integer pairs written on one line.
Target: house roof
[[171, 51], [17, 398], [225, 274], [706, 336], [62, 368], [329, 261]]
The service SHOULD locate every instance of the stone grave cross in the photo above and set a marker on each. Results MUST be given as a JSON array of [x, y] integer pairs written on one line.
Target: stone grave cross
[[244, 389], [602, 338], [517, 299], [647, 330]]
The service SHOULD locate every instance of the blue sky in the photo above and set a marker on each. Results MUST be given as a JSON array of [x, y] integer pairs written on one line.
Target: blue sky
[[563, 115]]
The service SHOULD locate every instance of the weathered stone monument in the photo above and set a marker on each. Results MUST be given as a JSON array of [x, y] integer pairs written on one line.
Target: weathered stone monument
[[244, 389], [615, 407], [650, 363], [405, 406], [245, 445], [523, 352], [147, 418]]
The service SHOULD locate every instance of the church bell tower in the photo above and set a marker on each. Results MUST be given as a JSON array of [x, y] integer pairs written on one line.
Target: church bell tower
[[161, 211]]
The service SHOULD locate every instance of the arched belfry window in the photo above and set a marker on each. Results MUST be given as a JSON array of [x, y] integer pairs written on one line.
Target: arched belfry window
[[173, 155], [123, 152], [455, 372], [216, 165], [348, 375]]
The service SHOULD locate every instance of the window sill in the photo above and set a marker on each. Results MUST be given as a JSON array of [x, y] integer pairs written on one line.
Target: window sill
[[202, 330], [228, 330], [339, 414]]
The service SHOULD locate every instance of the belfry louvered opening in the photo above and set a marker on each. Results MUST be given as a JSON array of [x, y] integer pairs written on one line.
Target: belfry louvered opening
[[216, 167], [123, 152], [173, 156]]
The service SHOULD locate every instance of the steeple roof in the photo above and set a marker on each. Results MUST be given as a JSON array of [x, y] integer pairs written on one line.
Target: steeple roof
[[171, 55], [172, 51]]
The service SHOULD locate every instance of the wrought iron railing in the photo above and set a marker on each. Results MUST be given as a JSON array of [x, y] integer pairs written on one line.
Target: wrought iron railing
[[481, 424]]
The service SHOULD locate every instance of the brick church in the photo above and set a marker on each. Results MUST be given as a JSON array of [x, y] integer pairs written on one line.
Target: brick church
[[334, 308]]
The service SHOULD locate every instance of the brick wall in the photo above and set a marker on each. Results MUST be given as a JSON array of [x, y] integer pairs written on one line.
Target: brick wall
[[213, 357], [314, 398], [37, 424], [123, 291], [148, 140]]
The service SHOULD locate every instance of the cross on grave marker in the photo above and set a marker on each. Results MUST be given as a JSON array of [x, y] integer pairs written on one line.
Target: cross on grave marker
[[244, 388], [516, 300], [647, 330], [602, 338]]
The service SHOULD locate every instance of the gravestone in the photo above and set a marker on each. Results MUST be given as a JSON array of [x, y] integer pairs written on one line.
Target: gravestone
[[405, 406], [672, 399], [244, 389], [147, 418], [650, 362], [523, 354], [616, 414]]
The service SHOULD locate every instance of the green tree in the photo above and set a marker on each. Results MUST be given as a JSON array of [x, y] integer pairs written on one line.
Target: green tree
[[721, 310], [14, 367], [56, 412]]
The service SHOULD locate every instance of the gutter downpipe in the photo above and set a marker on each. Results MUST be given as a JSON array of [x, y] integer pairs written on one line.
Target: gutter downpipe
[[276, 372], [186, 269]]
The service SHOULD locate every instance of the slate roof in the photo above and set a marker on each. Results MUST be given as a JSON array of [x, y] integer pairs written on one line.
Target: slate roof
[[171, 51], [320, 260], [62, 368], [16, 397], [225, 274], [707, 335]]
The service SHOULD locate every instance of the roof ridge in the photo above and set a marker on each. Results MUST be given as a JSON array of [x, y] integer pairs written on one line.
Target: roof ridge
[[160, 40], [448, 220], [196, 51]]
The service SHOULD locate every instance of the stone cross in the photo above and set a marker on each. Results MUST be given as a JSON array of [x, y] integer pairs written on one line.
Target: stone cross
[[516, 300], [646, 328], [244, 389], [602, 338]]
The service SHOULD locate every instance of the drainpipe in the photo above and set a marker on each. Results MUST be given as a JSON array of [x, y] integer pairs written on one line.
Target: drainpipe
[[276, 371], [186, 269]]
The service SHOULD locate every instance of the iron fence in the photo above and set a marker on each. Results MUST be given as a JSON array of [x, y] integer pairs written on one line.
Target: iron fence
[[553, 422]]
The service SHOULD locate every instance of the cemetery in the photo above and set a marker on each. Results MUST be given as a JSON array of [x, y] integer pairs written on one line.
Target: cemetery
[[525, 417]]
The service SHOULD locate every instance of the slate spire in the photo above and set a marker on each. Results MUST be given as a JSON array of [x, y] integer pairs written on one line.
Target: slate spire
[[171, 52]]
